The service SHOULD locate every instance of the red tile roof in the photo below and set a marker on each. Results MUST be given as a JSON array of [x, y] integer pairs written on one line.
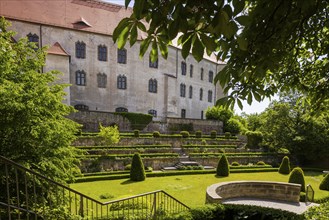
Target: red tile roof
[[57, 49]]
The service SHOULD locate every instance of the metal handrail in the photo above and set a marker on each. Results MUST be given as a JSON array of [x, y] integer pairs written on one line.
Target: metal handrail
[[151, 205]]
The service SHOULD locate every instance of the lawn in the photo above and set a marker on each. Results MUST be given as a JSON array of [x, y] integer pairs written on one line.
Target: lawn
[[190, 189]]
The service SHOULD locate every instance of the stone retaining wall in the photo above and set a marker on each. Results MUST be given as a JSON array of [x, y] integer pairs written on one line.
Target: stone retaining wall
[[253, 189]]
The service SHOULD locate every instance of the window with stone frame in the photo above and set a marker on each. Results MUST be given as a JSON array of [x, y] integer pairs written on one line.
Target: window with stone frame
[[182, 90], [211, 76], [191, 71], [121, 109], [153, 64], [190, 92], [80, 50], [101, 80], [102, 53], [183, 113], [152, 112], [81, 107], [183, 67], [153, 85], [80, 78], [122, 56], [201, 94], [201, 73], [122, 82], [33, 38], [209, 96]]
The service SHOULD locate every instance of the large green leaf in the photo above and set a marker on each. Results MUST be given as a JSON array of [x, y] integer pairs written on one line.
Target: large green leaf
[[123, 37], [163, 49], [238, 6], [133, 35], [244, 20], [208, 42], [144, 46], [121, 26], [243, 43], [186, 47], [138, 8], [198, 49]]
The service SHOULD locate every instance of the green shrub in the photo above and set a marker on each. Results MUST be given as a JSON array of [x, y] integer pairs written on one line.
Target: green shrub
[[318, 212], [208, 212], [233, 126], [136, 133], [235, 164], [285, 166], [137, 172], [156, 134], [128, 167], [137, 120], [254, 139], [302, 197], [185, 134], [223, 168], [203, 142], [198, 134], [213, 134], [227, 135], [106, 196], [324, 185], [110, 135], [297, 176], [261, 163]]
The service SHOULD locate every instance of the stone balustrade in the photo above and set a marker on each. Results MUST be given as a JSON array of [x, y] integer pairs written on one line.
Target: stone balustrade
[[216, 193]]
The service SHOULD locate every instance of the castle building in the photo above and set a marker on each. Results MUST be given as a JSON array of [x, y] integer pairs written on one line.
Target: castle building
[[103, 77]]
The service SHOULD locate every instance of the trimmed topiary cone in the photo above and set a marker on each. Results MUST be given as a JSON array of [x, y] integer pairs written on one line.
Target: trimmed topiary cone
[[223, 168], [285, 166], [137, 171], [324, 185], [297, 176]]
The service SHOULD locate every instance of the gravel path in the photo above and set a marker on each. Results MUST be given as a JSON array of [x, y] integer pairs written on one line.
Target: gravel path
[[298, 208]]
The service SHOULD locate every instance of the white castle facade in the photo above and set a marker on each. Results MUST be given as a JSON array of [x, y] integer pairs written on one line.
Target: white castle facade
[[104, 78]]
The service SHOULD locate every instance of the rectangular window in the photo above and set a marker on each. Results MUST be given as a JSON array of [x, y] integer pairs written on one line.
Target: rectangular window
[[201, 74], [102, 53], [201, 114], [191, 70], [101, 80], [80, 78], [122, 56], [209, 96], [183, 113], [80, 50], [183, 66], [211, 76], [182, 90]]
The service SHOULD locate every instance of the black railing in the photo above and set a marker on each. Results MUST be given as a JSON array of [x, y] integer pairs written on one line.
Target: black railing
[[26, 194]]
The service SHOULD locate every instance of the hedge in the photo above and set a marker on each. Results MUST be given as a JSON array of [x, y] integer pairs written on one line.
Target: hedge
[[233, 154], [172, 173], [209, 146], [137, 120], [115, 156], [124, 147]]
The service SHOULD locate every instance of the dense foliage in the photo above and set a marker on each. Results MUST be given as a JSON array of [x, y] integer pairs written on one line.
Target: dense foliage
[[285, 165], [137, 171], [223, 168], [110, 135], [269, 46], [254, 139], [297, 176], [324, 185], [33, 128]]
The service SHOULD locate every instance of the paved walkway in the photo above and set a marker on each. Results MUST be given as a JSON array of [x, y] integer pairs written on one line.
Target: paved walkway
[[298, 208]]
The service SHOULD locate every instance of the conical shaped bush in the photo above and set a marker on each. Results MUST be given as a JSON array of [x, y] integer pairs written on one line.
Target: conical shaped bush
[[324, 185], [285, 166], [297, 176], [137, 171], [223, 168]]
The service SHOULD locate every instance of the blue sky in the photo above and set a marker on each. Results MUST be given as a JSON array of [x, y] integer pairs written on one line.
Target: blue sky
[[255, 107]]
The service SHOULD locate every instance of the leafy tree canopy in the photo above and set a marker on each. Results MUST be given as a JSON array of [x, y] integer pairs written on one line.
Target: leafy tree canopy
[[33, 128], [269, 46]]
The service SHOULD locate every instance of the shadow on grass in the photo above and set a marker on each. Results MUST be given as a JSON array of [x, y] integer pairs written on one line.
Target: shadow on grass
[[128, 181]]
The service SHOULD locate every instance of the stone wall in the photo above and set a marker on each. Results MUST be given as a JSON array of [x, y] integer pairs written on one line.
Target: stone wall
[[216, 193], [91, 120], [243, 160]]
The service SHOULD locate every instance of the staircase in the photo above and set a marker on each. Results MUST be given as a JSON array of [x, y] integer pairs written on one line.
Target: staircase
[[26, 194]]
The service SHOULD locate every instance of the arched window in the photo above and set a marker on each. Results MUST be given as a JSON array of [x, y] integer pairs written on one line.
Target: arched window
[[153, 86], [153, 112], [201, 74], [209, 96], [211, 76], [101, 80], [182, 90], [81, 107], [33, 38], [80, 50], [191, 70], [201, 94], [80, 78], [102, 53], [122, 56], [190, 92], [122, 82], [121, 109], [183, 66]]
